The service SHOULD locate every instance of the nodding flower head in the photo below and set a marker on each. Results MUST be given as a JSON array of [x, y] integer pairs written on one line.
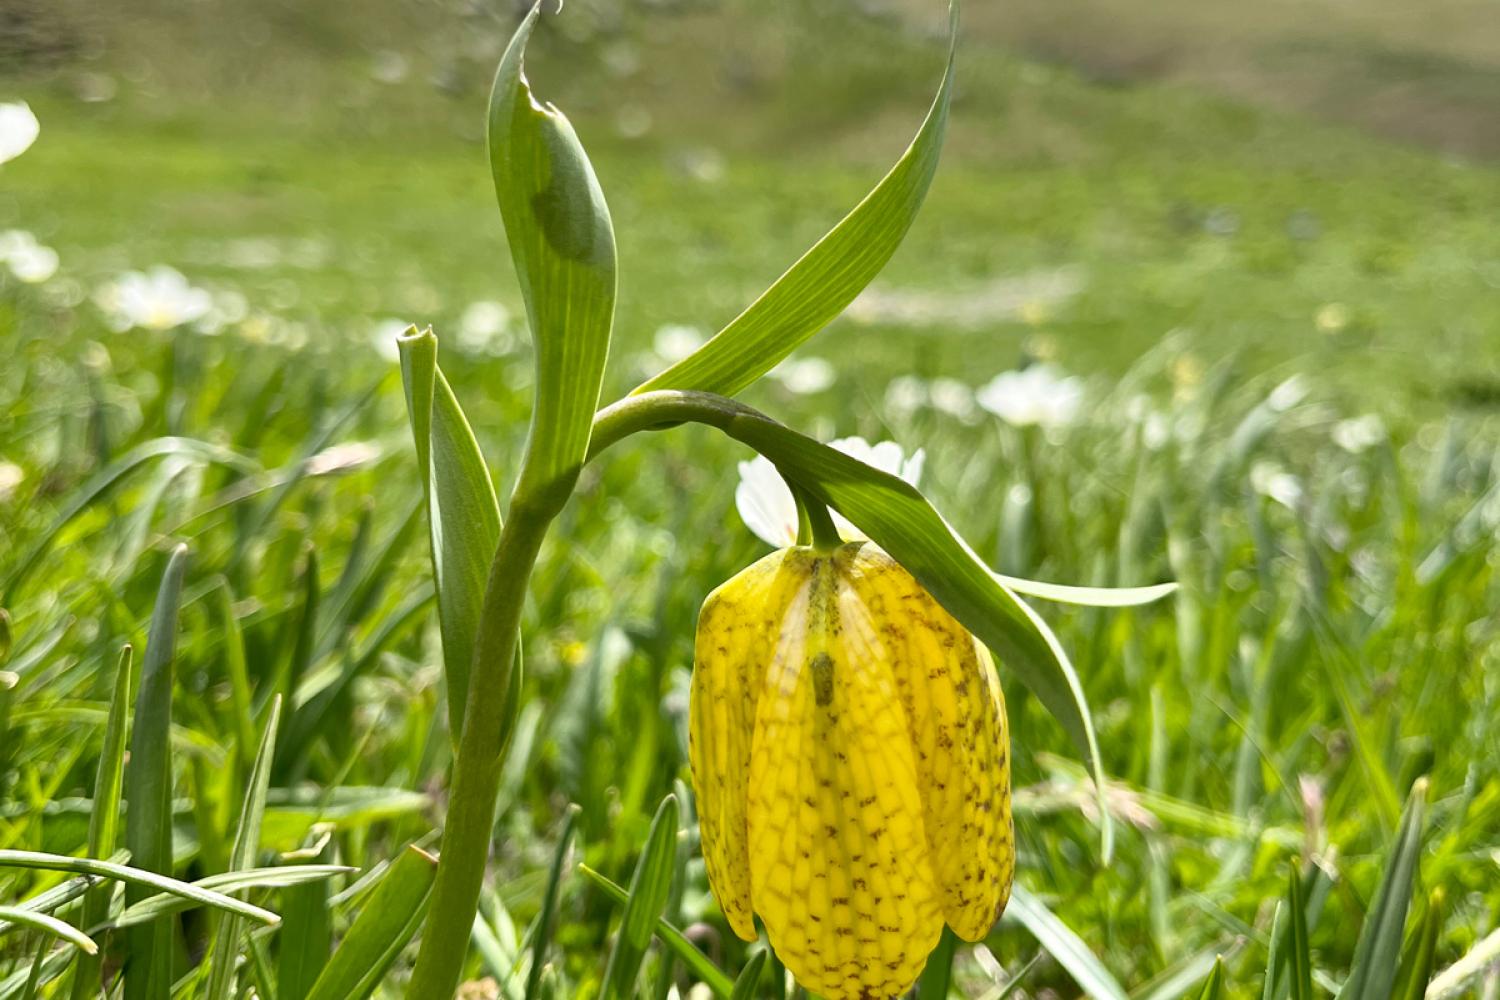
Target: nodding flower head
[[850, 752]]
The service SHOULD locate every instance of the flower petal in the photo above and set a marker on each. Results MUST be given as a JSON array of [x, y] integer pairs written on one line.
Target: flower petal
[[736, 641], [952, 697], [838, 855]]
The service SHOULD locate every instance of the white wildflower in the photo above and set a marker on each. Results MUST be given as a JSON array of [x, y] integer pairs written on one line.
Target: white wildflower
[[1038, 395]]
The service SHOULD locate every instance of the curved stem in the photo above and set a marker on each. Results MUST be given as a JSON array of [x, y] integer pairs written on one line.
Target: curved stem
[[825, 536], [650, 411]]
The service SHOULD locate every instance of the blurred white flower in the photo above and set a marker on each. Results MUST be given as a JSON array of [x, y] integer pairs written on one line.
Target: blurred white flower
[[804, 376], [1359, 433], [1039, 395], [765, 501], [383, 337], [485, 328], [28, 260], [676, 341], [389, 67], [342, 457], [18, 129], [229, 308], [1271, 480], [905, 395], [950, 396], [11, 476], [159, 299]]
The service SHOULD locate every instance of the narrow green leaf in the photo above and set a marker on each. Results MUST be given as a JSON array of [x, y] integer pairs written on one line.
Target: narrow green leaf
[[1063, 945], [543, 935], [243, 853], [388, 917], [937, 975], [23, 917], [1213, 989], [241, 702], [708, 973], [747, 986], [463, 514], [1276, 955], [306, 938], [104, 819], [829, 276], [1373, 973], [148, 819], [228, 883], [1088, 597], [137, 877], [1299, 948], [563, 248], [1420, 955], [649, 888]]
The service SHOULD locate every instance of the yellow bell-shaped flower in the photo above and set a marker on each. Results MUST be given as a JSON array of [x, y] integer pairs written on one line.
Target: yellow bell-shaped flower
[[849, 748]]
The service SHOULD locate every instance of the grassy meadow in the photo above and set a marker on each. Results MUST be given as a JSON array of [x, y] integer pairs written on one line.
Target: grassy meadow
[[1287, 336]]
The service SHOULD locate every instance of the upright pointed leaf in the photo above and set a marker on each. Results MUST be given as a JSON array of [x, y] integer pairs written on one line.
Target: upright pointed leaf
[[1213, 989], [747, 986], [1420, 956], [306, 938], [1373, 974], [649, 888], [104, 821], [543, 935], [148, 820], [463, 514], [829, 276], [563, 247], [242, 855], [387, 919]]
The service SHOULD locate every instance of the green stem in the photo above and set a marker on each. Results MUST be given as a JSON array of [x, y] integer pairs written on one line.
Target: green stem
[[481, 754], [825, 536], [664, 408]]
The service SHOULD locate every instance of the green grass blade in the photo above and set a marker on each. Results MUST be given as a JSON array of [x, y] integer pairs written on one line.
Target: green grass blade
[[1420, 955], [708, 973], [543, 936], [285, 877], [1213, 989], [1275, 953], [1088, 597], [937, 974], [388, 917], [306, 938], [649, 887], [103, 483], [827, 278], [563, 247], [104, 819], [463, 513], [1373, 973], [1299, 948], [148, 819], [246, 845], [20, 916], [137, 877], [1065, 947], [747, 986]]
